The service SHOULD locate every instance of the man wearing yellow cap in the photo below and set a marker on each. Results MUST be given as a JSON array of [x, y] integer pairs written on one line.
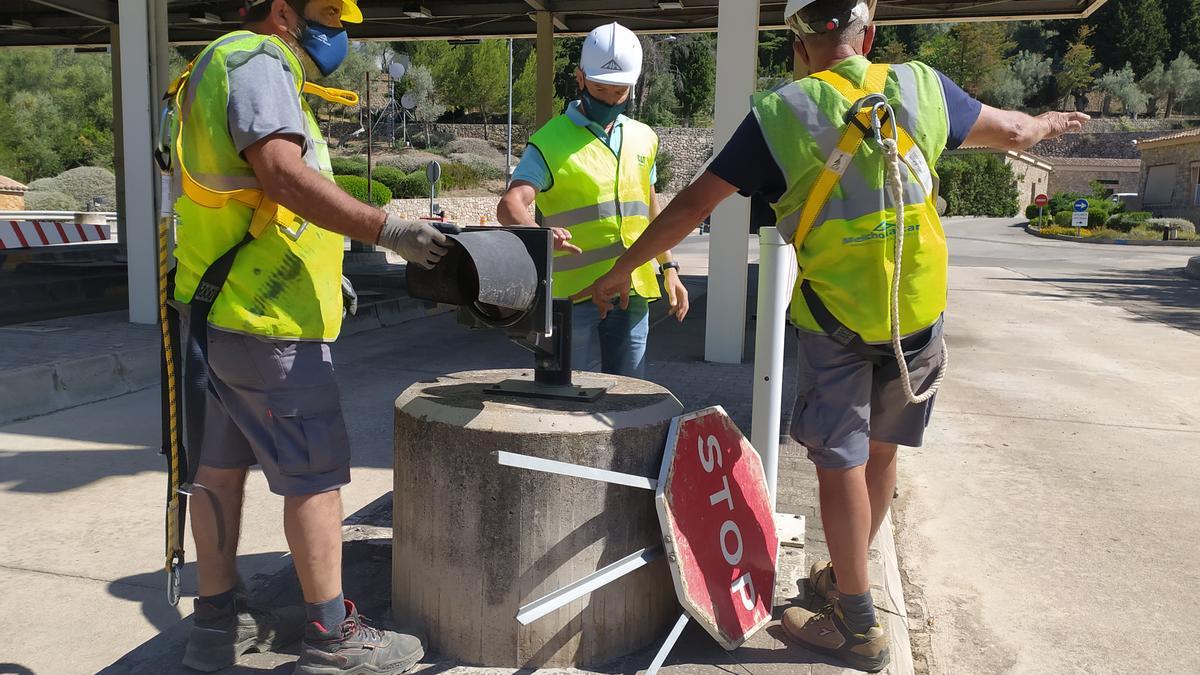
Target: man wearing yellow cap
[[260, 236]]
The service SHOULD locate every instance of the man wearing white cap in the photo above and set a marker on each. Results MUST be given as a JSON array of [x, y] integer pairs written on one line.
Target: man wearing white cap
[[591, 171], [872, 273]]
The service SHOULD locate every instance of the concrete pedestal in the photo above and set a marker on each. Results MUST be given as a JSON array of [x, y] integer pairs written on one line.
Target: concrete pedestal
[[474, 540]]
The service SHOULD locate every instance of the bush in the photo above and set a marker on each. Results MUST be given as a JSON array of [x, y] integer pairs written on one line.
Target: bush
[[1063, 218], [1044, 221], [49, 200], [1064, 201], [414, 186], [474, 146], [87, 182], [978, 185], [410, 160], [487, 168], [47, 184], [1127, 221], [459, 176], [664, 164], [356, 186], [1185, 228], [1098, 216], [390, 176], [1064, 231], [349, 166], [1108, 233]]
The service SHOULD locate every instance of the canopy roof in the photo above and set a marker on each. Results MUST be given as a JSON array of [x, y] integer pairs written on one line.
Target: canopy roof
[[86, 22]]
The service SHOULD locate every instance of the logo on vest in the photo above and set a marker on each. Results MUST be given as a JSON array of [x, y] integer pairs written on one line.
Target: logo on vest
[[883, 230], [642, 160], [611, 65]]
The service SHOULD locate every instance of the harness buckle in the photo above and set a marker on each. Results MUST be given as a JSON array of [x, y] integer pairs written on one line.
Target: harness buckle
[[879, 111]]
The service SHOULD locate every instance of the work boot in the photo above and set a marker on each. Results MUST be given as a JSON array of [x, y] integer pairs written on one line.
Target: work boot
[[826, 632], [355, 647], [820, 578], [220, 635]]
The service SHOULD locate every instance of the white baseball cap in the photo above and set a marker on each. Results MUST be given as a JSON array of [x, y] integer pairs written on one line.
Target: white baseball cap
[[612, 54]]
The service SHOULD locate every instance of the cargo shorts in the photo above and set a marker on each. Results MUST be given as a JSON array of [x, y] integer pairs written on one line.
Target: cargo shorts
[[277, 405], [844, 401]]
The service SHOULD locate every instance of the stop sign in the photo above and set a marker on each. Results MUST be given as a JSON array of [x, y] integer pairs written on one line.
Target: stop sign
[[718, 526], [1041, 200]]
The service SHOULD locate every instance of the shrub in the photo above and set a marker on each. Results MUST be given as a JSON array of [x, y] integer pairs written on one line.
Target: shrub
[[1098, 216], [1182, 227], [356, 186], [488, 168], [389, 176], [1044, 221], [978, 185], [1127, 221], [410, 160], [47, 184], [87, 182], [664, 164], [1064, 231], [474, 146], [459, 176], [414, 186], [349, 166], [49, 200], [1108, 233], [1064, 201], [1032, 211], [1063, 218]]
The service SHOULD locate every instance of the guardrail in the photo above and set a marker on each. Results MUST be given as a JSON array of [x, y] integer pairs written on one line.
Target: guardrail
[[36, 229]]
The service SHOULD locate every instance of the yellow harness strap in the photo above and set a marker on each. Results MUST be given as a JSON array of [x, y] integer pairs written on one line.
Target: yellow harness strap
[[852, 139], [266, 210]]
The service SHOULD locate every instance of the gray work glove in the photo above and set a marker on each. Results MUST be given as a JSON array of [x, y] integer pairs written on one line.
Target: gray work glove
[[349, 298], [416, 241]]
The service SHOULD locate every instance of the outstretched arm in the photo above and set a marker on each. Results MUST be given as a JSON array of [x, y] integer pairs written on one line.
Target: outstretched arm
[[1013, 130]]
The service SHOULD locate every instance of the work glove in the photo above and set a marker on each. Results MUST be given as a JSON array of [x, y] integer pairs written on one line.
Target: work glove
[[349, 298], [416, 241]]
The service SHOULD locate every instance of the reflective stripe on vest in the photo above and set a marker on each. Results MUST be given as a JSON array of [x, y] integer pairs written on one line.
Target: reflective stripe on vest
[[287, 283], [847, 254], [601, 197]]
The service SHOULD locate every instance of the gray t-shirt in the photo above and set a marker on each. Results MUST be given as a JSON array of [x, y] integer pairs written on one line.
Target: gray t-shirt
[[263, 101]]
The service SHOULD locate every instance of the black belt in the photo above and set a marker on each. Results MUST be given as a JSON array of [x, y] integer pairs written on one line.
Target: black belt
[[882, 356]]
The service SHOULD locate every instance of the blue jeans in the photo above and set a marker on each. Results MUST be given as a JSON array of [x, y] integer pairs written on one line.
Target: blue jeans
[[620, 338]]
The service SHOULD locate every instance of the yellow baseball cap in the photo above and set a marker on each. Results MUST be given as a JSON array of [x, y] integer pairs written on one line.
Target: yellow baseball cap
[[350, 11]]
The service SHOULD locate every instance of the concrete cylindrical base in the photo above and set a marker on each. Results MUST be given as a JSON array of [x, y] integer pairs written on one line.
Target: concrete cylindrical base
[[474, 541]]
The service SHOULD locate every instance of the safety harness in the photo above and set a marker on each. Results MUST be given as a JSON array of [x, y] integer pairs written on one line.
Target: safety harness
[[870, 117], [185, 405]]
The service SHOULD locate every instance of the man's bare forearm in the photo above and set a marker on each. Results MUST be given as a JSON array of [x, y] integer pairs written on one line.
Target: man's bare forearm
[[689, 208], [320, 201]]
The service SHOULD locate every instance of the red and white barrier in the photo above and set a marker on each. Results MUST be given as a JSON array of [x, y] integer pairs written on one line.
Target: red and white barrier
[[35, 233]]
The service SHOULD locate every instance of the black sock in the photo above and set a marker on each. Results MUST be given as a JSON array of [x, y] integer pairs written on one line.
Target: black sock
[[220, 600], [858, 611], [329, 614]]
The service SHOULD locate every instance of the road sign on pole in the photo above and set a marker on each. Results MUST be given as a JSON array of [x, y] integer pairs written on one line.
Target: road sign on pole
[[1079, 219], [718, 526], [1042, 200]]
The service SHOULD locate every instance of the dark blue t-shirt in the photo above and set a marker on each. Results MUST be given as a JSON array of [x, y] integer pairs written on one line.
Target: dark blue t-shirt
[[746, 163]]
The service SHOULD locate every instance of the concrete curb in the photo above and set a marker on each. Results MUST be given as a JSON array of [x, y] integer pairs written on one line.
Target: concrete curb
[[1118, 242], [1193, 268], [893, 589], [40, 389]]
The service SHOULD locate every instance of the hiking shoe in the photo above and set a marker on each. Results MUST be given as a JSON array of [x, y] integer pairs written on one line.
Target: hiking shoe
[[355, 647], [220, 635], [820, 578], [826, 632]]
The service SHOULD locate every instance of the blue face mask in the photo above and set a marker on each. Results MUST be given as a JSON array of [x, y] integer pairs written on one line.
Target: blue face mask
[[600, 112], [326, 46]]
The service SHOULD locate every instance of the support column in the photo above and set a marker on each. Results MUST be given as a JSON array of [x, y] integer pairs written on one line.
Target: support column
[[737, 70], [545, 67], [142, 60]]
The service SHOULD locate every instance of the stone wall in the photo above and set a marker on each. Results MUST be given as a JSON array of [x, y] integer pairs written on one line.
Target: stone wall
[[1183, 156], [468, 210], [11, 202], [1032, 180], [1079, 179]]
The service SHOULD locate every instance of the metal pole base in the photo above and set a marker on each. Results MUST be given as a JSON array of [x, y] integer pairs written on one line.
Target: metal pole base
[[531, 389]]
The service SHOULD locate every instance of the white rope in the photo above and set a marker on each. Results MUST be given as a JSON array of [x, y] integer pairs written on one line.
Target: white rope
[[895, 183]]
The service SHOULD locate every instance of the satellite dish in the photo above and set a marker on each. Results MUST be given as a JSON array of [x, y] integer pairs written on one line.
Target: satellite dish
[[397, 70], [408, 101]]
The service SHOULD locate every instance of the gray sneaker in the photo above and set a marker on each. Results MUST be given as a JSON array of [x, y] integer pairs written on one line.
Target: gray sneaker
[[220, 636], [355, 647]]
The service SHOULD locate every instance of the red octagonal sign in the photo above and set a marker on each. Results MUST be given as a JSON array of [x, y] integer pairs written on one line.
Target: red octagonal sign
[[718, 526]]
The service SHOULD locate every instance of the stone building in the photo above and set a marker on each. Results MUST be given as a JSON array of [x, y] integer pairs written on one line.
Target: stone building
[[1170, 175], [12, 195], [1076, 174]]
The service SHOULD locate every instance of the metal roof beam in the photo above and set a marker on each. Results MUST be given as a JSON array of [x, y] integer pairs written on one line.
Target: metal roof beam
[[100, 11], [544, 6]]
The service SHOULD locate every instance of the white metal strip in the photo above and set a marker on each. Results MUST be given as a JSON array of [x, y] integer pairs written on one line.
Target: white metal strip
[[577, 589], [575, 470], [665, 650]]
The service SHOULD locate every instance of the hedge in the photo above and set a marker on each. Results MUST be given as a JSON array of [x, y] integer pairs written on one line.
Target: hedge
[[1182, 227], [459, 176], [414, 186], [49, 200], [349, 166], [356, 186], [1125, 222], [978, 185], [389, 176]]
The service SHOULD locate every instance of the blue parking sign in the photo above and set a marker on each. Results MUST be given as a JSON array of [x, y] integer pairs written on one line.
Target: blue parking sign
[[1081, 205]]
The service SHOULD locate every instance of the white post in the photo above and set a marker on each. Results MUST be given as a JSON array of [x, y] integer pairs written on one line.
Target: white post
[[143, 46], [775, 275], [508, 152], [737, 70]]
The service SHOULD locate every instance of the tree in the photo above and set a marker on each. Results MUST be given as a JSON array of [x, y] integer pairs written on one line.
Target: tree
[[468, 76], [1144, 38], [1183, 81], [418, 82], [1078, 67], [1155, 84], [1012, 86], [658, 107], [1122, 86], [969, 53], [525, 93], [693, 60]]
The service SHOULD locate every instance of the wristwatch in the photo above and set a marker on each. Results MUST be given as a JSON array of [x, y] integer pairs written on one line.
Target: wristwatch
[[662, 269]]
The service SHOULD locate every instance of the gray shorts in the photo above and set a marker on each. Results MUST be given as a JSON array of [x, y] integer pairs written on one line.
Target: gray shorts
[[844, 401], [277, 405]]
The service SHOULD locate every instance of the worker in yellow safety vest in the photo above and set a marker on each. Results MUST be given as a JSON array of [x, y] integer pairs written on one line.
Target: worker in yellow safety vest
[[871, 286], [261, 228], [591, 172]]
